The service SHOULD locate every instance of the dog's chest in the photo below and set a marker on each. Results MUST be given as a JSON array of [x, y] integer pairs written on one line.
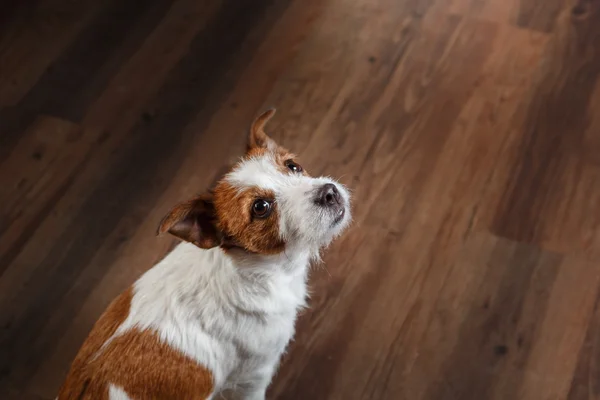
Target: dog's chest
[[267, 335], [227, 325], [259, 335]]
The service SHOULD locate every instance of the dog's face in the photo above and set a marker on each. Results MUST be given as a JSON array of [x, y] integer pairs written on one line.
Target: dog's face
[[266, 204]]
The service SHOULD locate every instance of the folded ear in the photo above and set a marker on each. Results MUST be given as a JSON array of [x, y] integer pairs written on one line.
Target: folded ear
[[258, 138], [193, 221]]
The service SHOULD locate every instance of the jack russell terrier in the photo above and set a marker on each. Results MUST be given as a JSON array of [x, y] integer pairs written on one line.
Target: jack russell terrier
[[212, 319]]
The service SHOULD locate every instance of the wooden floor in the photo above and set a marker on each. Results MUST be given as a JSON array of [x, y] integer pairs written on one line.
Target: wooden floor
[[469, 131]]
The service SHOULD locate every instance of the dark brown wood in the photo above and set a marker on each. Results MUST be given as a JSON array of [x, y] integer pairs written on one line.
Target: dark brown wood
[[468, 131]]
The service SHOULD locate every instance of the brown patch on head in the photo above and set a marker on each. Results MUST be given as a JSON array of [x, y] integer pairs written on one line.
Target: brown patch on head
[[237, 222], [280, 157], [137, 362], [224, 218], [283, 157]]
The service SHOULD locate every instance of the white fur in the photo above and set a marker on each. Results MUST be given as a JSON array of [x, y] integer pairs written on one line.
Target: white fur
[[116, 393], [234, 312], [233, 318]]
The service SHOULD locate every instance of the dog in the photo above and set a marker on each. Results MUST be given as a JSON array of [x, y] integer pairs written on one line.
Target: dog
[[213, 318]]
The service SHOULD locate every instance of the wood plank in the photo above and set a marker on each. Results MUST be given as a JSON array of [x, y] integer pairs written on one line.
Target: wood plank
[[551, 195], [491, 10], [125, 100], [533, 15], [522, 308], [84, 68], [30, 40], [113, 139], [571, 308], [584, 385], [36, 175], [540, 15]]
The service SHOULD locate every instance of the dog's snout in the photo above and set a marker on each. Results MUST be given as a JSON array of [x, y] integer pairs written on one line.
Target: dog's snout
[[328, 195]]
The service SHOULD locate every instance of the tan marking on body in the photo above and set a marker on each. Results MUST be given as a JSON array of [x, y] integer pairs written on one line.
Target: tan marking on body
[[137, 362], [105, 327], [147, 368]]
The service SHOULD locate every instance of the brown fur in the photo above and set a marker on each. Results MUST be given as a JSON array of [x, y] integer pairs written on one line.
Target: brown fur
[[137, 361], [194, 222], [147, 368], [281, 155], [235, 219], [106, 326], [256, 152], [258, 138], [260, 144]]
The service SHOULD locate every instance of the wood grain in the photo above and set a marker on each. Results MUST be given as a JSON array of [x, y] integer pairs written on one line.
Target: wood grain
[[25, 54], [558, 209], [467, 130]]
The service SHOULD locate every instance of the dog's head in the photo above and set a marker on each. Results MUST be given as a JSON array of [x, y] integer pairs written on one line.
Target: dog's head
[[266, 204]]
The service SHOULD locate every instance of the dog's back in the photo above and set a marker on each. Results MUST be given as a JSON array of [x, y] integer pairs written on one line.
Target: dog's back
[[136, 360]]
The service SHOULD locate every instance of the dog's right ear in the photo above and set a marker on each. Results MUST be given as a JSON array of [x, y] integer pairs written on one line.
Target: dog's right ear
[[194, 221], [258, 138]]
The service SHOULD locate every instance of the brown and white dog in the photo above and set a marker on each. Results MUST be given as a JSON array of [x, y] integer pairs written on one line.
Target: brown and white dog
[[212, 319]]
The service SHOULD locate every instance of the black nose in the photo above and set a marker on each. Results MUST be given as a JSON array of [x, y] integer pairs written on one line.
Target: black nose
[[328, 195]]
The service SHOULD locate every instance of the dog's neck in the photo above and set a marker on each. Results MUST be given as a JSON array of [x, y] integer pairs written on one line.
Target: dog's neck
[[237, 280]]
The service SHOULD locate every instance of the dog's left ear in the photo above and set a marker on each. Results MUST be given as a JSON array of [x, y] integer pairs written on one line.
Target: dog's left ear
[[194, 221], [258, 138]]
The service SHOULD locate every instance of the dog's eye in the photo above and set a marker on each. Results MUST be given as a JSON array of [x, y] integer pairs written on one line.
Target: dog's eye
[[261, 208], [292, 166]]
